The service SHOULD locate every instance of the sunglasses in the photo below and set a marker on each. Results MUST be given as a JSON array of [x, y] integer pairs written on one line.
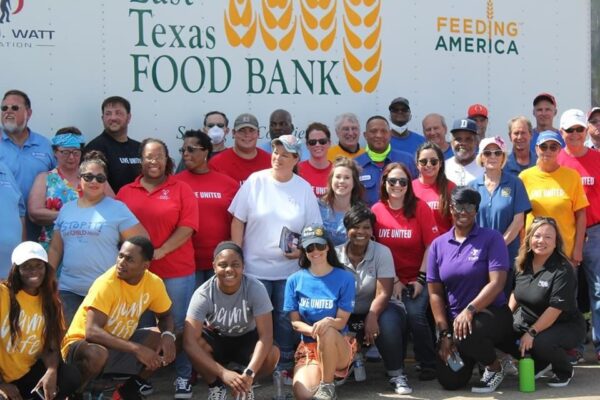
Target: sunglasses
[[220, 125], [549, 220], [190, 149], [579, 129], [433, 161], [466, 207], [319, 246], [551, 147], [100, 178], [397, 181], [488, 153], [313, 142], [13, 107], [67, 153]]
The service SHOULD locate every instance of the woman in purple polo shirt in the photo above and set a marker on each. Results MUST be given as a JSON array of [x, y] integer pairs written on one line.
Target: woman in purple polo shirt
[[466, 274]]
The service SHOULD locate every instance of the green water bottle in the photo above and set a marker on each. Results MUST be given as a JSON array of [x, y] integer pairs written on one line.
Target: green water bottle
[[526, 374]]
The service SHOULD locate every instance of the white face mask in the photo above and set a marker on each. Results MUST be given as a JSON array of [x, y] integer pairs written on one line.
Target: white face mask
[[399, 128], [216, 134]]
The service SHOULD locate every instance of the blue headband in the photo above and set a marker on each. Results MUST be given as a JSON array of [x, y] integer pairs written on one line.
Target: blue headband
[[68, 140]]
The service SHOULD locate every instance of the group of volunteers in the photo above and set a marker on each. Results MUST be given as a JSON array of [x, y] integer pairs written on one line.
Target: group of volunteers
[[297, 257]]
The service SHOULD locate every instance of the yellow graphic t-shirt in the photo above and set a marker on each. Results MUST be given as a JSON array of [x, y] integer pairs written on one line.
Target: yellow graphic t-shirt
[[121, 302], [16, 359]]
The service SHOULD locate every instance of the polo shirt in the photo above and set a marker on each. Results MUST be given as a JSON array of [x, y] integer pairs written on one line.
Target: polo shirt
[[498, 209], [377, 263], [316, 177], [338, 151], [11, 212], [229, 163], [161, 212], [513, 167], [460, 174], [408, 143], [370, 175], [588, 167], [552, 286], [463, 268]]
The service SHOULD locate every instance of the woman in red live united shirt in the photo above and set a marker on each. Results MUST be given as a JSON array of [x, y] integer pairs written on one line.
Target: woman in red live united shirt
[[406, 225], [167, 208]]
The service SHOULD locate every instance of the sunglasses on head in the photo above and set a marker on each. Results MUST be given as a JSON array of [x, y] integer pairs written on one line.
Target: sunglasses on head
[[488, 153], [465, 207], [190, 149], [13, 107], [549, 220], [433, 161], [100, 178], [313, 142], [220, 125], [319, 246], [552, 147], [578, 129], [397, 181]]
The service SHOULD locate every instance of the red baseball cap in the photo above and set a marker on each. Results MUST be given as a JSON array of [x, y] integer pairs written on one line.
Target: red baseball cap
[[477, 109], [544, 96]]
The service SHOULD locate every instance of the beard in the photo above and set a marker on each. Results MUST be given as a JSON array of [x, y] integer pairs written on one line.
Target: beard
[[12, 127]]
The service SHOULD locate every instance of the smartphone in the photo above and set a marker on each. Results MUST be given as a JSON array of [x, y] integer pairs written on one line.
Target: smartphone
[[455, 362]]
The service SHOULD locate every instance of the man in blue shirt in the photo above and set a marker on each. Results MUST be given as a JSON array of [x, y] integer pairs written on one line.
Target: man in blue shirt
[[280, 123], [522, 157], [403, 139], [25, 152], [379, 153], [544, 111], [435, 130]]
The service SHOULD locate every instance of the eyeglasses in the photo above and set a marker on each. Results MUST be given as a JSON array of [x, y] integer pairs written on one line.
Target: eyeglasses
[[496, 153], [190, 149], [153, 159], [433, 161], [319, 246], [313, 142], [579, 129], [465, 207], [13, 107], [220, 125], [67, 153], [33, 267], [403, 182], [100, 178], [552, 147], [549, 220]]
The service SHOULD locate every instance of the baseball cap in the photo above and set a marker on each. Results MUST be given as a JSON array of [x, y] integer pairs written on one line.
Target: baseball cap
[[245, 120], [289, 142], [28, 251], [573, 117], [464, 124], [547, 136], [399, 101], [592, 111], [313, 234], [544, 96], [477, 109], [497, 140]]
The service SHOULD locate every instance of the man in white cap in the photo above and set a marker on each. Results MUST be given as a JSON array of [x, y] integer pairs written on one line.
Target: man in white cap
[[573, 127], [462, 168], [593, 118]]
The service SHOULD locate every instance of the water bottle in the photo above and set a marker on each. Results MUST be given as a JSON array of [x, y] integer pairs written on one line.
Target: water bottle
[[360, 374], [526, 374], [278, 383]]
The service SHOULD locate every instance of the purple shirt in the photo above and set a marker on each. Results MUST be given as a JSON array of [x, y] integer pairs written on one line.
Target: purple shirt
[[463, 267]]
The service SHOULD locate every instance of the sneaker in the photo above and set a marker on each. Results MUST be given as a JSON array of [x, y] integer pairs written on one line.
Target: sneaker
[[400, 384], [131, 389], [218, 392], [144, 387], [427, 374], [325, 391], [183, 389], [508, 366], [545, 372], [557, 381], [575, 356], [489, 381]]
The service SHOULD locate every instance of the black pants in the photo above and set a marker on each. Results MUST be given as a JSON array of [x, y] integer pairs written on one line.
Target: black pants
[[491, 327], [68, 380]]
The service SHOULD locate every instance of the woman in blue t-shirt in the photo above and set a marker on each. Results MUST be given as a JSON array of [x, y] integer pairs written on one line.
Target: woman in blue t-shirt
[[320, 299]]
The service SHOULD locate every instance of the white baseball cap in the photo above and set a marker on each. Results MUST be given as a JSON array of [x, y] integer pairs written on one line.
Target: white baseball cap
[[28, 251], [573, 117]]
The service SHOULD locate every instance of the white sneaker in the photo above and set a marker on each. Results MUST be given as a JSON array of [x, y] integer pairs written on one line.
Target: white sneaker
[[217, 393], [489, 381], [400, 384], [183, 388], [509, 366]]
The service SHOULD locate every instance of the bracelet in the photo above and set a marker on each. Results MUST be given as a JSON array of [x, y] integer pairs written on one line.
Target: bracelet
[[168, 333], [444, 334]]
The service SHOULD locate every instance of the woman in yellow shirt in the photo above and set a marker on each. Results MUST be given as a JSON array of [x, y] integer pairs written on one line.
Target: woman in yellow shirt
[[31, 327]]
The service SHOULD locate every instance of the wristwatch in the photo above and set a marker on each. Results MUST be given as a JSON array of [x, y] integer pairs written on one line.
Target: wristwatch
[[249, 372], [471, 308], [532, 332]]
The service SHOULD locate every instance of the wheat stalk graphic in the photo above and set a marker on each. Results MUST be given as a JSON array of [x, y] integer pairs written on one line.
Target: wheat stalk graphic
[[369, 66], [311, 21], [286, 22], [245, 21], [490, 15]]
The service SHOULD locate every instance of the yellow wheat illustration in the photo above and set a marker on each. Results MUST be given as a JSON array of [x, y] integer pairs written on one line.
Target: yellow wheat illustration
[[490, 15], [362, 57], [286, 23], [318, 15], [245, 21]]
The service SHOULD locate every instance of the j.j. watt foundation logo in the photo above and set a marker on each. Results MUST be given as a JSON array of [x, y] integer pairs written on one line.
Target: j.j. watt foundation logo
[[317, 26], [477, 35], [6, 9]]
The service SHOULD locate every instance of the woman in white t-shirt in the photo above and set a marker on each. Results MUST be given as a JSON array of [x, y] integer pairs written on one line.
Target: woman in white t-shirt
[[271, 207]]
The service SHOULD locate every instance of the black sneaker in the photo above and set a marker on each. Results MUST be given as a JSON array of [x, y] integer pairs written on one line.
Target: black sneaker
[[561, 381], [144, 387], [489, 381]]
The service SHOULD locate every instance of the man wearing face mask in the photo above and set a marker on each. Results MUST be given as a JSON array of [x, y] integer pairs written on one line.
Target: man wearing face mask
[[462, 168], [403, 139], [216, 126]]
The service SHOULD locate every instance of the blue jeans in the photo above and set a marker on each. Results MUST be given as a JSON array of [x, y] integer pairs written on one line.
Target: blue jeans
[[419, 328], [391, 339], [70, 304], [591, 267], [285, 337], [203, 275], [180, 291]]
